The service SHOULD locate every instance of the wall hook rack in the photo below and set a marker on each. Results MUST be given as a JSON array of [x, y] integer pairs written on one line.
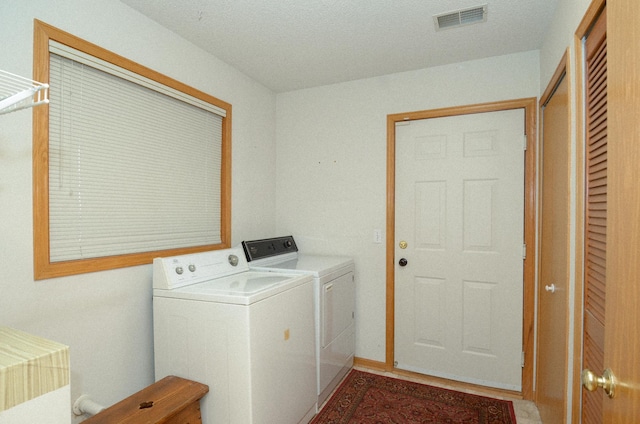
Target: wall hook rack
[[17, 92]]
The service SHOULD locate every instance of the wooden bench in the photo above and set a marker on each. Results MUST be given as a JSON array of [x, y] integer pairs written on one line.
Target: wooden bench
[[172, 400]]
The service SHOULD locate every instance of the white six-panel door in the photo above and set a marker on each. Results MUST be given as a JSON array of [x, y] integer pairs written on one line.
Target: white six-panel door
[[460, 210]]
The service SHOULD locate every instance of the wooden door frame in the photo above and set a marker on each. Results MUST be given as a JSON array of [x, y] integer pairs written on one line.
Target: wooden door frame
[[530, 174]]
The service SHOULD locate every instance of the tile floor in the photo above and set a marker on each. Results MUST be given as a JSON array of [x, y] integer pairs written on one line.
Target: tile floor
[[526, 411]]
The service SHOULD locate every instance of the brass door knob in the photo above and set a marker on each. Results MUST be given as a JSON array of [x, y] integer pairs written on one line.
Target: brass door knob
[[591, 382]]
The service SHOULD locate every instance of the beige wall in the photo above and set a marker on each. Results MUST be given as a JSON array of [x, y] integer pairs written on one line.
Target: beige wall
[[331, 156], [105, 317]]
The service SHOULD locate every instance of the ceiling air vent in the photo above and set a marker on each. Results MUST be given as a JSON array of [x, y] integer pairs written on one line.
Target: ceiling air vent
[[461, 17]]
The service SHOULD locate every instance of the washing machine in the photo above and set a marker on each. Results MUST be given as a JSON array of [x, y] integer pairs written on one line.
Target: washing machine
[[334, 298], [248, 335]]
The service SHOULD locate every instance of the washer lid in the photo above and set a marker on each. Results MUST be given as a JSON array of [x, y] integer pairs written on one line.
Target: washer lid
[[242, 289]]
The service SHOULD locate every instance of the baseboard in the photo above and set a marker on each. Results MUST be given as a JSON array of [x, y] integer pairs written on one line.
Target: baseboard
[[378, 366], [369, 363]]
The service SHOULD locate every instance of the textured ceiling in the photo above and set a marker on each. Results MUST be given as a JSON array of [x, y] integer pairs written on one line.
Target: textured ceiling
[[292, 44]]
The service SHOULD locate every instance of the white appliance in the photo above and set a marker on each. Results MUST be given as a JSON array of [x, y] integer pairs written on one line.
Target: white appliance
[[248, 335], [334, 295]]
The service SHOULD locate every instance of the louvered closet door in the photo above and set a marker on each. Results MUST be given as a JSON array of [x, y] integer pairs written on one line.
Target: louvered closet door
[[596, 215]]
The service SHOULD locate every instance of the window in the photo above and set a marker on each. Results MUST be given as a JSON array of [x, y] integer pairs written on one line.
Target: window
[[128, 164]]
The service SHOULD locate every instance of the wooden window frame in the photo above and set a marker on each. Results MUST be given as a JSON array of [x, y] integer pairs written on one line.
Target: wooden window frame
[[43, 267]]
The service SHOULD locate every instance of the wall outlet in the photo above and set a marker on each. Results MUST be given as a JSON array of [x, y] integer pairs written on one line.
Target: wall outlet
[[377, 236]]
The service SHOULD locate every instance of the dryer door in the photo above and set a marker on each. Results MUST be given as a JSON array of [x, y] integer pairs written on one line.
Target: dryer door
[[337, 342], [338, 307]]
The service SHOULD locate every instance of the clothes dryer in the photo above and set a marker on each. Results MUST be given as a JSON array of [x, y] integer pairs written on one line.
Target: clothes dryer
[[334, 297]]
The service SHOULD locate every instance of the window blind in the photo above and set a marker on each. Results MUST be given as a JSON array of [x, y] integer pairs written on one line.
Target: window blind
[[132, 168]]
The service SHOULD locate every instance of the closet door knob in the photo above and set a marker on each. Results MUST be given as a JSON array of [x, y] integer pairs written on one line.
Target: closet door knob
[[591, 381]]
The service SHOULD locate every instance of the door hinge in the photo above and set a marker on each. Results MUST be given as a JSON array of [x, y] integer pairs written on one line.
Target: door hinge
[[524, 251], [522, 361], [524, 142]]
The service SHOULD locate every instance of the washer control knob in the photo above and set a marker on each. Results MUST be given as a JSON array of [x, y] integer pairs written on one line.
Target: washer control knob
[[179, 270], [233, 260], [192, 267], [288, 243]]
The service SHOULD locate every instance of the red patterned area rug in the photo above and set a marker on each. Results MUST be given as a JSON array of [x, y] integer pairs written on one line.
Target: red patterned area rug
[[365, 398]]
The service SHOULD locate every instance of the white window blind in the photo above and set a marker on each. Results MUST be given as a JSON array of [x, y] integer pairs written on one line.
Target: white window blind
[[133, 166]]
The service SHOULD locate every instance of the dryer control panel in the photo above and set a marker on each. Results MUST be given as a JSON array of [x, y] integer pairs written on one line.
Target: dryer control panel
[[265, 248]]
